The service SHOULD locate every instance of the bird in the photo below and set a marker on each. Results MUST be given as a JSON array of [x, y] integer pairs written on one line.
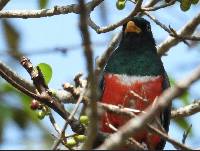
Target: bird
[[134, 77]]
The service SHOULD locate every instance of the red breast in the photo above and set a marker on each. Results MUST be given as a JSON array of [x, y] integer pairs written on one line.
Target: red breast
[[131, 92]]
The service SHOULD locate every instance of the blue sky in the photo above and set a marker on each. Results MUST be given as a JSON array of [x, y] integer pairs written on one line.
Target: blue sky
[[62, 31]]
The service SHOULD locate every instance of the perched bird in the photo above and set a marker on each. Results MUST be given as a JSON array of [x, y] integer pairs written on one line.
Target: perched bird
[[134, 77]]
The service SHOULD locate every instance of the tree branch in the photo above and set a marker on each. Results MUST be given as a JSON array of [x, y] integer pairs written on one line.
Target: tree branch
[[42, 88], [3, 3], [91, 92], [159, 7], [57, 10], [151, 3], [71, 116], [15, 77], [115, 25], [187, 30], [53, 122], [169, 139], [170, 30], [130, 112], [9, 76], [27, 87], [186, 110]]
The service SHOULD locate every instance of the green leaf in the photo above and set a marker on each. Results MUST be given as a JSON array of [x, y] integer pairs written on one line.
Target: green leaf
[[12, 38], [11, 34], [195, 1], [43, 3], [185, 5], [5, 111], [172, 81], [182, 123], [46, 71], [20, 117], [120, 4], [2, 122], [6, 88], [185, 96], [5, 114]]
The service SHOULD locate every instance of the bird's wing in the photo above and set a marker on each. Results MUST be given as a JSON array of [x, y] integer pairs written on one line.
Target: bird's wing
[[167, 110], [166, 114]]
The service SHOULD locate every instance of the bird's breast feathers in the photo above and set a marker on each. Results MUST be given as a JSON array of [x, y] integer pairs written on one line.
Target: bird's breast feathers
[[135, 92], [121, 89]]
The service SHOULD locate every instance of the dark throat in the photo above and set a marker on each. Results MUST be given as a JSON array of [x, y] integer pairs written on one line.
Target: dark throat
[[135, 56]]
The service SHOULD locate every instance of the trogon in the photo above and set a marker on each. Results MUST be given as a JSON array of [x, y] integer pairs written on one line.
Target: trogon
[[134, 77]]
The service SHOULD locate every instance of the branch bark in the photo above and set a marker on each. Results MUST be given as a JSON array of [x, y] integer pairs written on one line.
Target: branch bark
[[57, 10], [186, 110], [43, 97], [115, 25], [130, 112], [159, 7], [92, 84], [15, 77], [3, 3], [27, 87]]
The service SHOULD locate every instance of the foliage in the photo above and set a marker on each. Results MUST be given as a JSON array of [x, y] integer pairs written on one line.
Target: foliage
[[46, 71], [184, 98], [20, 114], [43, 3]]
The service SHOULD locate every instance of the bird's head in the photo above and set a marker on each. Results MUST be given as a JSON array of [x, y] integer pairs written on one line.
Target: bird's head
[[138, 31]]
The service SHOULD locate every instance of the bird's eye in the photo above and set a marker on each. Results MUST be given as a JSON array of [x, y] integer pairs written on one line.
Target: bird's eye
[[148, 28]]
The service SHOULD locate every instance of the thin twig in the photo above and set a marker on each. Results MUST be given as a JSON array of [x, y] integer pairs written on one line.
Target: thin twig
[[57, 10], [53, 122], [44, 51], [159, 7], [187, 30], [170, 30], [151, 3], [193, 38], [121, 22], [166, 137], [131, 141], [62, 134]]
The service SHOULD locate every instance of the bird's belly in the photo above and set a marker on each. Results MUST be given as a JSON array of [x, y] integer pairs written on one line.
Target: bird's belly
[[131, 92]]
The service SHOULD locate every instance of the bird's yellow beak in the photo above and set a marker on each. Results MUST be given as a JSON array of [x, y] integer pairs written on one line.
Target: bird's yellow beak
[[132, 27]]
